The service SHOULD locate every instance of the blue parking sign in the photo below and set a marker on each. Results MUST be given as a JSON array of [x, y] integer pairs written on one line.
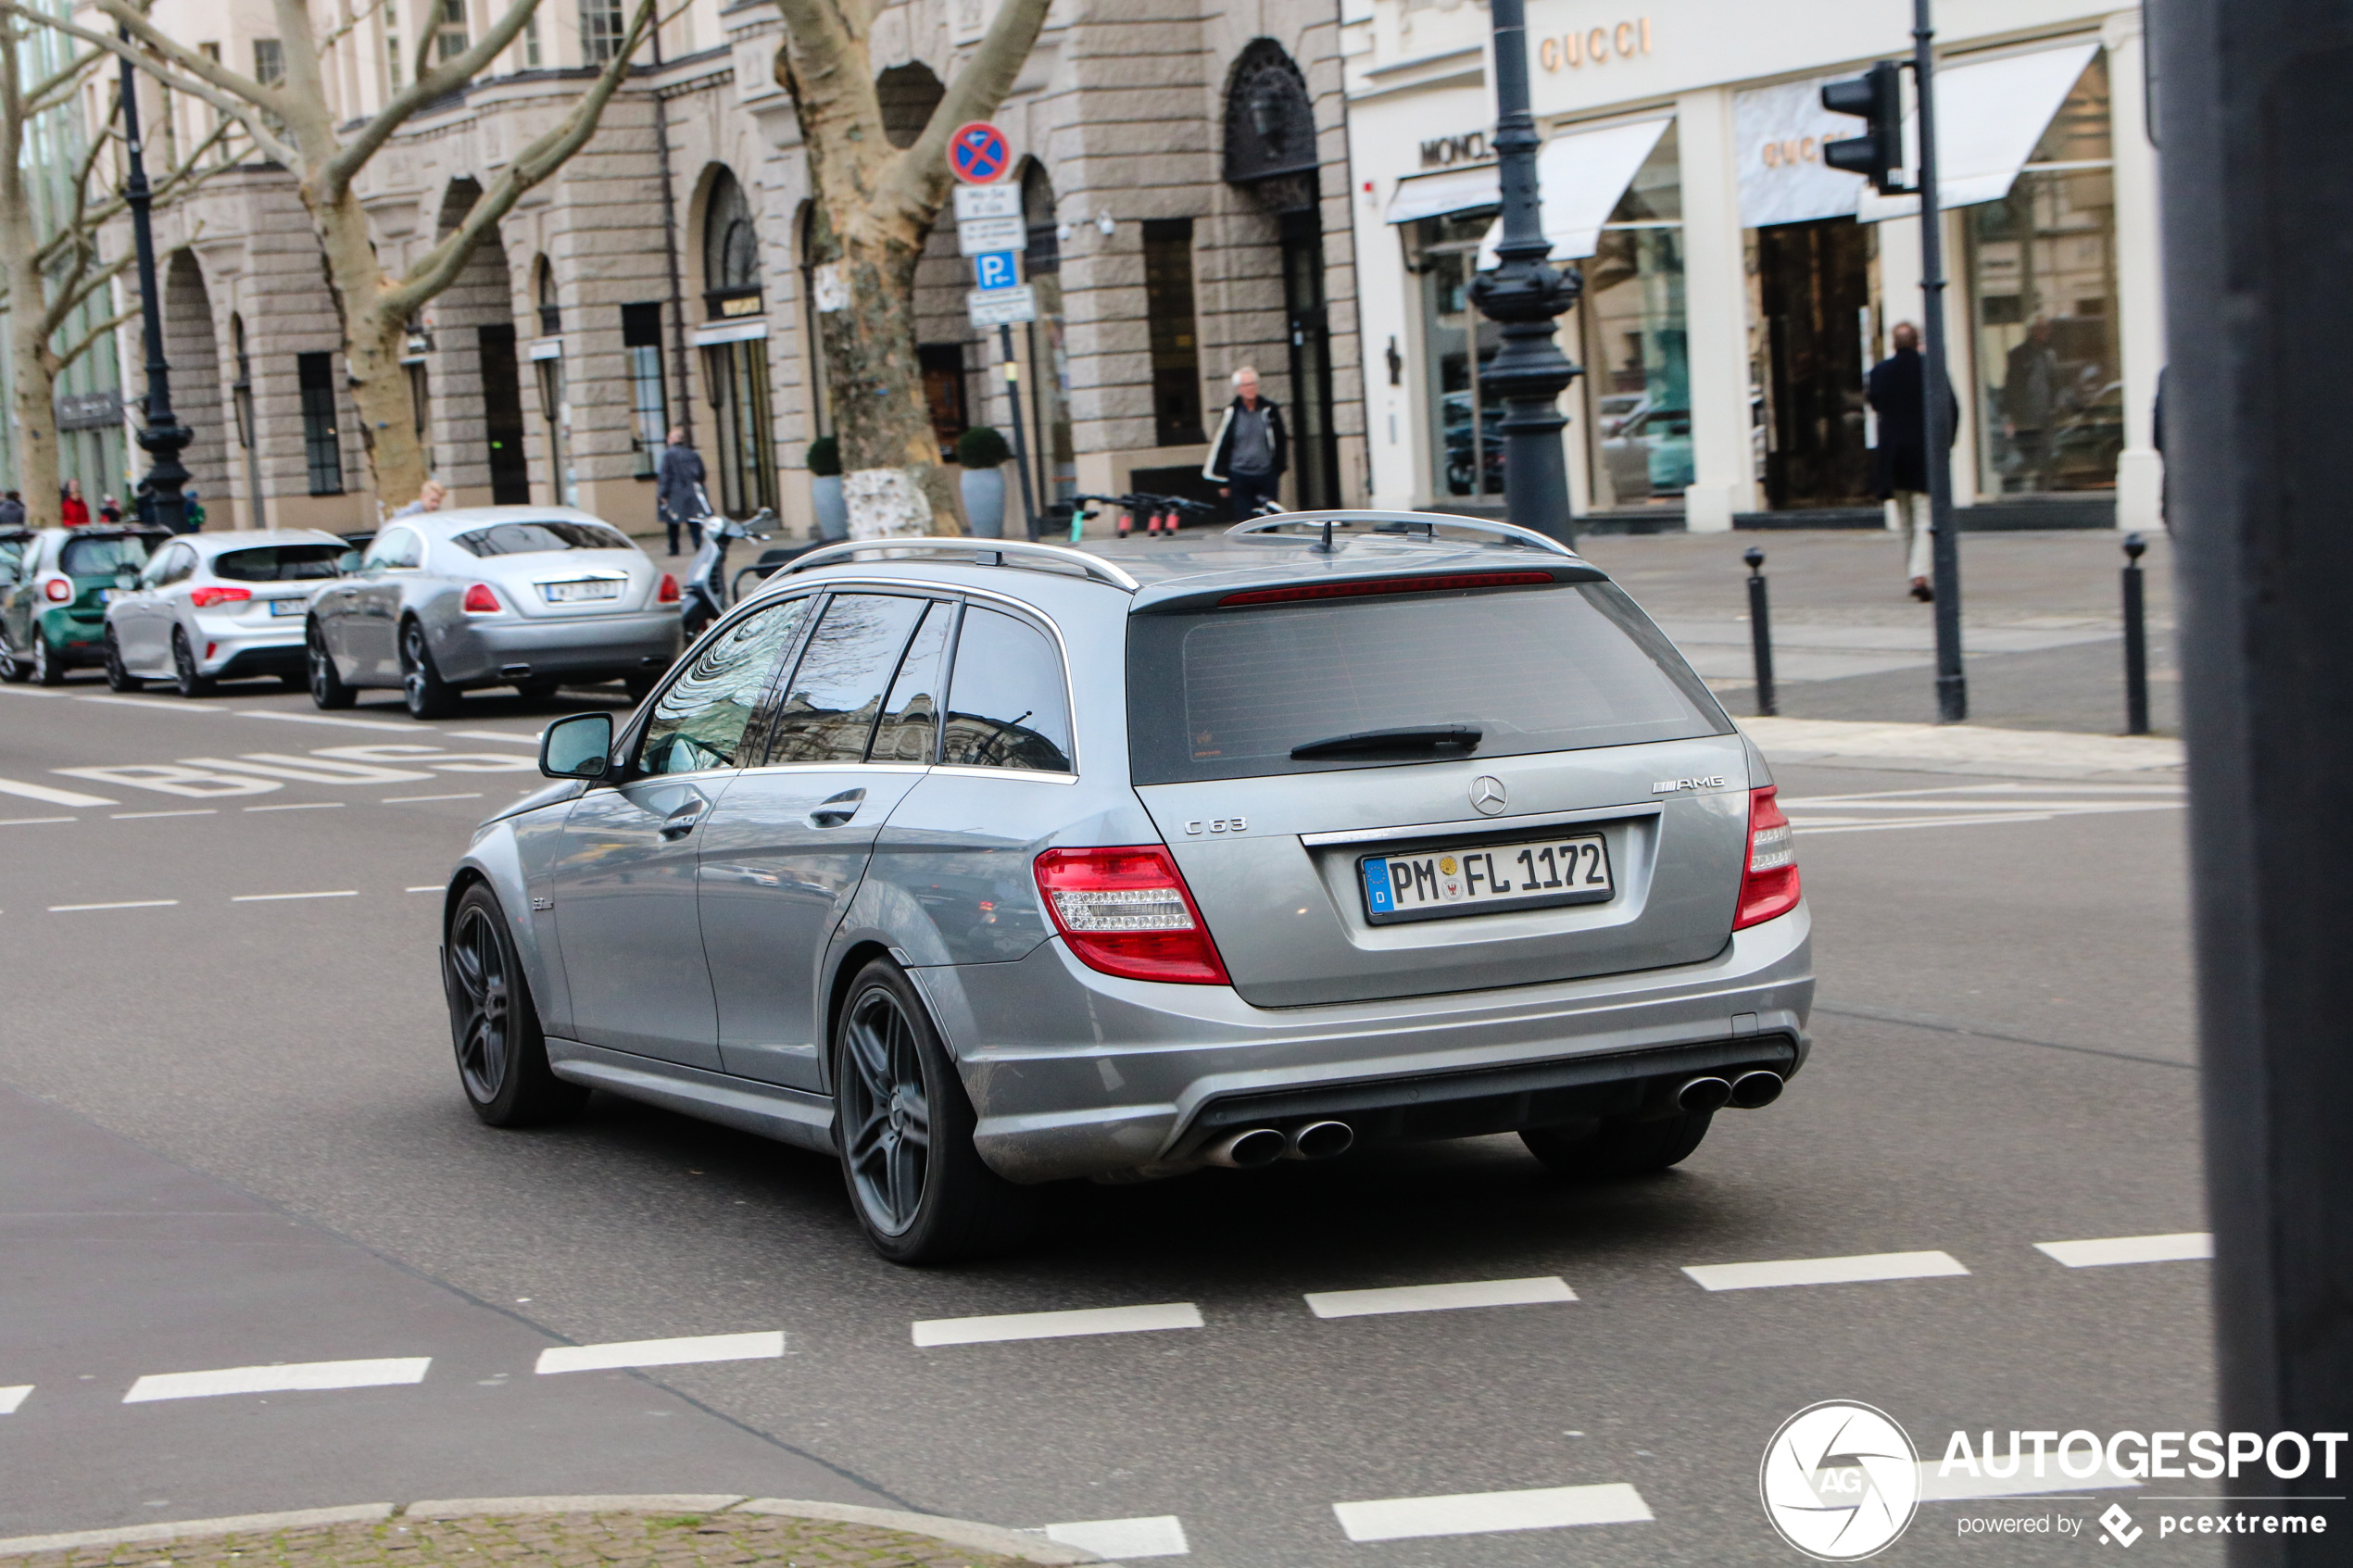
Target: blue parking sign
[[996, 269]]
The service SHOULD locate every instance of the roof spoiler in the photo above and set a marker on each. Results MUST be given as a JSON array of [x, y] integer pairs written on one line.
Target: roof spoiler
[[1400, 522]]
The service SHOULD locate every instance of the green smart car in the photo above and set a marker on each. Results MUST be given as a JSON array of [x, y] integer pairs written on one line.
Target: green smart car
[[53, 596]]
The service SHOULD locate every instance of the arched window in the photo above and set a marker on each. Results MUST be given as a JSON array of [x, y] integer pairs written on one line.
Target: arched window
[[908, 94], [730, 250]]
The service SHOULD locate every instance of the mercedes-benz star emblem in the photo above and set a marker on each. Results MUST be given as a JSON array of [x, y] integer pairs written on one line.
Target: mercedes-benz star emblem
[[1487, 795]]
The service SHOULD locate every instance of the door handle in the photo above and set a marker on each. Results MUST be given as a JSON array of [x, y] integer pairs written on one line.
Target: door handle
[[681, 823], [835, 809]]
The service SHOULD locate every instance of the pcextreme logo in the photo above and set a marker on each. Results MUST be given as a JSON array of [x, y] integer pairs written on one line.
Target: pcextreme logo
[[1840, 1481]]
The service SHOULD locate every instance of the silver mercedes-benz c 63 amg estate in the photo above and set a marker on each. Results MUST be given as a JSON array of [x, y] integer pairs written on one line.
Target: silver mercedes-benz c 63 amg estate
[[990, 864]]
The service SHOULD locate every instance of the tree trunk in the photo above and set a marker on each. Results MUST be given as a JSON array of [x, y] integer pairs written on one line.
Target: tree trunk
[[32, 367], [891, 475], [373, 345]]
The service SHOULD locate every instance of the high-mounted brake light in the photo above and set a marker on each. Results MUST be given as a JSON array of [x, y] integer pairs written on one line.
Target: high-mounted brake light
[[1370, 586], [209, 596], [480, 600], [59, 589], [668, 592], [1769, 880], [1125, 911]]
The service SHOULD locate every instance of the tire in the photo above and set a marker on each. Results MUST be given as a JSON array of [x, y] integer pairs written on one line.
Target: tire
[[538, 690], [120, 679], [904, 1129], [47, 669], [494, 1026], [640, 687], [295, 682], [186, 678], [1619, 1148], [327, 690], [421, 687]]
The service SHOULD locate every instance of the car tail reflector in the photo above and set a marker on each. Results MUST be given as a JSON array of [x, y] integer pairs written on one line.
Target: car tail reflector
[[480, 600], [1369, 586], [206, 597], [59, 589], [668, 592], [1127, 911], [1768, 882]]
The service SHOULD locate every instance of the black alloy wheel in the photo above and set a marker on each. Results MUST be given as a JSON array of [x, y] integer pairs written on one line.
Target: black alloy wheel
[[327, 690], [118, 677], [48, 669], [421, 687], [904, 1127], [502, 1056], [189, 681]]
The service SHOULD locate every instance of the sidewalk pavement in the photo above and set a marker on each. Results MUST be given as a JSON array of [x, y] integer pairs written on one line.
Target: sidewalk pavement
[[644, 1532]]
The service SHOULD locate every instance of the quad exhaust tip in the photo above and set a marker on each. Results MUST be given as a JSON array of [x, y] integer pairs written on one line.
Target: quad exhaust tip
[[1751, 1090], [1704, 1093], [1319, 1140], [1251, 1148]]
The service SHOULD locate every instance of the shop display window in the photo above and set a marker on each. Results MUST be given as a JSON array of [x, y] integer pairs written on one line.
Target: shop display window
[[1466, 419], [1637, 381]]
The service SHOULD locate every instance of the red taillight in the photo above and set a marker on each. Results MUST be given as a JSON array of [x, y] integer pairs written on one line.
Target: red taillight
[[1127, 911], [205, 598], [480, 600], [668, 592], [1369, 586], [59, 589], [1768, 881]]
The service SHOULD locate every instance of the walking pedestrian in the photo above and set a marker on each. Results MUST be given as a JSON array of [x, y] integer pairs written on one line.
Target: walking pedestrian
[[678, 479], [191, 511], [109, 510], [1247, 459], [12, 509], [1899, 463], [73, 510]]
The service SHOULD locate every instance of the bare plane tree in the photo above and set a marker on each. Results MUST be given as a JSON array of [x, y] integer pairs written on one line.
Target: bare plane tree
[[293, 122], [879, 203]]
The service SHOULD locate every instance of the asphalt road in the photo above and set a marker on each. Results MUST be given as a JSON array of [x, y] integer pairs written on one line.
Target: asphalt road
[[230, 1136]]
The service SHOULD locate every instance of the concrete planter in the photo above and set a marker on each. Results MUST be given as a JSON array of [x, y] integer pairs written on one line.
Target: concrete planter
[[833, 512], [985, 501]]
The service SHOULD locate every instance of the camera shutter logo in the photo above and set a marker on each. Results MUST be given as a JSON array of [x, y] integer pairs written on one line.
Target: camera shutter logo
[[1840, 1481]]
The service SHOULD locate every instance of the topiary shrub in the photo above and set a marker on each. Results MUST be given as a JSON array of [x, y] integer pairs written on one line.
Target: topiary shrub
[[981, 447], [824, 456]]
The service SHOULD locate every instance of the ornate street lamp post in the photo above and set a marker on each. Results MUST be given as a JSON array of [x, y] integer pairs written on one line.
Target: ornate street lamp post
[[160, 432], [1524, 294]]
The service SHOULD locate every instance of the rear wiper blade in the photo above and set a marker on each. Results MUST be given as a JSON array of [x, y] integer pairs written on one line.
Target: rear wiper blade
[[1407, 737]]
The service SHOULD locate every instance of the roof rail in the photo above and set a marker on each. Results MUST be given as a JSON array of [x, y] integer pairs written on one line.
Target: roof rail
[[1395, 522], [1095, 566]]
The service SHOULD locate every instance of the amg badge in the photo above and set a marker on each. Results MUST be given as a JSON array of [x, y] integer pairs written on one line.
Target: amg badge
[[1669, 786]]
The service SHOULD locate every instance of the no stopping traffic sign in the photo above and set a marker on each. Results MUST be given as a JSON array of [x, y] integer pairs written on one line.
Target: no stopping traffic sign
[[979, 152]]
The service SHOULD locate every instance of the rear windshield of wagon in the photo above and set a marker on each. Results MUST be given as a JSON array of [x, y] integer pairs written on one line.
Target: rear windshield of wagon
[[1226, 693]]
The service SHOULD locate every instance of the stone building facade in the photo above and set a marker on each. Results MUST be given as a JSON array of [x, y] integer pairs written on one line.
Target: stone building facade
[[1184, 165]]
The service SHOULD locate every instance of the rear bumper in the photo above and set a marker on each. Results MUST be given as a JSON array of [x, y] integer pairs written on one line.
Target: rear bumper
[[233, 652], [1077, 1074], [75, 635], [599, 647]]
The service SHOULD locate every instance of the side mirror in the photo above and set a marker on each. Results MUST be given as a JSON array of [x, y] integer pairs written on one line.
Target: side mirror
[[577, 747], [346, 563]]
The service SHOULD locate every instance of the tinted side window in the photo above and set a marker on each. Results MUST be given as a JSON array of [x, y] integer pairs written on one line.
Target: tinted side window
[[911, 715], [1009, 706], [700, 721], [835, 696]]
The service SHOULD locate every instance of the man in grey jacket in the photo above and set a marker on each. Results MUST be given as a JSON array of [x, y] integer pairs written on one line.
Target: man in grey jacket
[[678, 479], [1247, 459]]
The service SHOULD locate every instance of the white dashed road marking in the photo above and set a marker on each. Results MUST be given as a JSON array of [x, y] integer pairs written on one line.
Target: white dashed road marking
[[1439, 1298], [281, 898], [412, 800], [662, 1352], [300, 805], [1056, 1325], [2181, 1247], [1826, 1270], [125, 904], [1473, 1513], [1974, 805], [51, 797], [11, 1397], [142, 816], [33, 821], [428, 887], [298, 1377], [1161, 1536]]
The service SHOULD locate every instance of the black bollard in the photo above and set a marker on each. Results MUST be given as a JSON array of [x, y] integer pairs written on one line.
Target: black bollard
[[2136, 642], [1760, 633]]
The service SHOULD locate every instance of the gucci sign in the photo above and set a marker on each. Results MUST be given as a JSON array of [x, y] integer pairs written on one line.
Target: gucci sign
[[1572, 51]]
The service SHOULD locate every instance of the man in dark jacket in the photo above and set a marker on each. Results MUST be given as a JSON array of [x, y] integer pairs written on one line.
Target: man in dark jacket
[[677, 479], [1899, 462], [1247, 460]]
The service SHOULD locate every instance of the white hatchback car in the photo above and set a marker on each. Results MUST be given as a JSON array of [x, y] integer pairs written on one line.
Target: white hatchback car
[[220, 606]]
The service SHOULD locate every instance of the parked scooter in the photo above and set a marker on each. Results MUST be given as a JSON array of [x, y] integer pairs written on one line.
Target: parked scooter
[[705, 596]]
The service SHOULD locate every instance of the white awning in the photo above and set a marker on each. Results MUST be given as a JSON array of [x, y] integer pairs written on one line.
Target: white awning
[[1582, 175], [1989, 116], [1435, 196]]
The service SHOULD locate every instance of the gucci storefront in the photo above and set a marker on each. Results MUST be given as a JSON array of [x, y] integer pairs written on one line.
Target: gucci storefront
[[1737, 288]]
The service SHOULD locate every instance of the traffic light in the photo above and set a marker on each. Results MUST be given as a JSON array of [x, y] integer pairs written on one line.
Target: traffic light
[[1877, 97]]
